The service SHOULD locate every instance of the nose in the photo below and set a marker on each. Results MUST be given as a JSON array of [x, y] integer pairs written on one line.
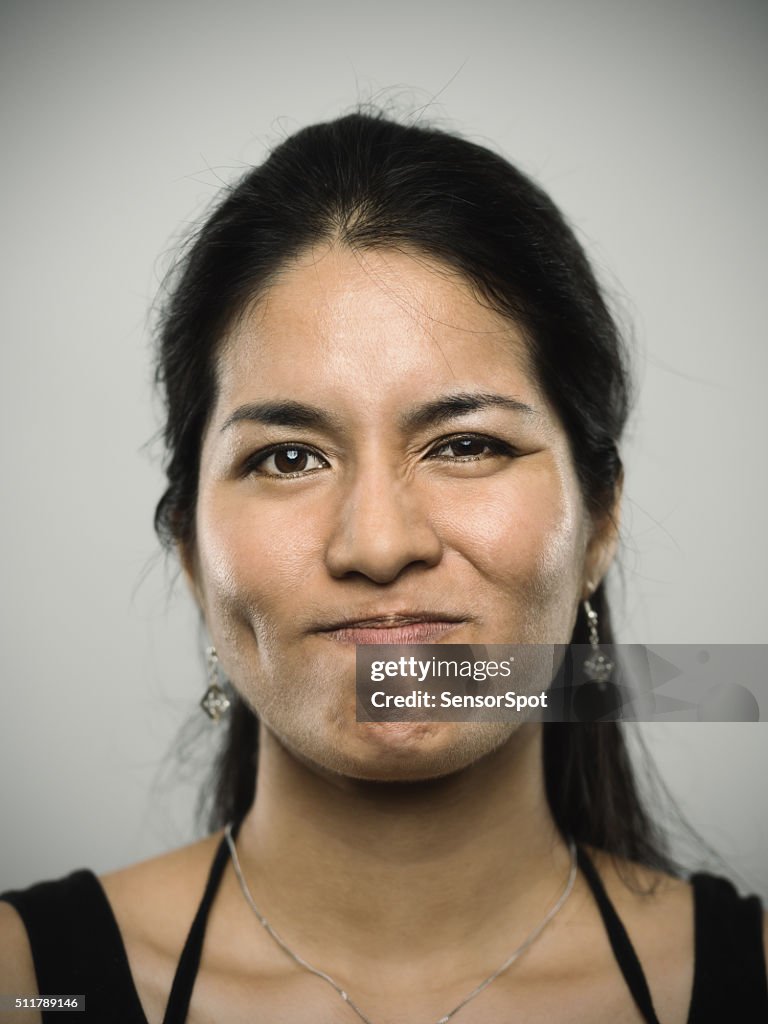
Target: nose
[[382, 527]]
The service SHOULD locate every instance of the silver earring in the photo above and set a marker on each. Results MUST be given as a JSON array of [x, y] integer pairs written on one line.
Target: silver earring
[[598, 666], [215, 702]]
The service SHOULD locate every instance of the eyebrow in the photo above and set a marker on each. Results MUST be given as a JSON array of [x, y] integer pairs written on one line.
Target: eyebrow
[[299, 414], [283, 414], [461, 404]]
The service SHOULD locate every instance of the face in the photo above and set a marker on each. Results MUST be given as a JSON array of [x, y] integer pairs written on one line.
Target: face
[[380, 466]]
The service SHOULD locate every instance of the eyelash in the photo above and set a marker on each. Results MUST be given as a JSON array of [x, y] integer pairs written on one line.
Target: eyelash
[[493, 444], [259, 458]]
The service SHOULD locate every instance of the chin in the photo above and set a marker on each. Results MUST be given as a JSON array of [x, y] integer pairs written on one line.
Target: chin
[[416, 751]]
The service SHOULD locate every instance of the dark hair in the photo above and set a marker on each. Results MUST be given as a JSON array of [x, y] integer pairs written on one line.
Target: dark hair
[[370, 182]]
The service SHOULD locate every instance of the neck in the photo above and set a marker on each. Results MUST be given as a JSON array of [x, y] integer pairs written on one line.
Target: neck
[[475, 853]]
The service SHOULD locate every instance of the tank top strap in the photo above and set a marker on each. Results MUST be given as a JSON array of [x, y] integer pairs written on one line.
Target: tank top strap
[[729, 981], [77, 947], [179, 999], [623, 950]]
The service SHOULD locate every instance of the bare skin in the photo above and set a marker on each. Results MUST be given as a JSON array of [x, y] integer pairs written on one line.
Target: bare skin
[[408, 924], [409, 910], [406, 861]]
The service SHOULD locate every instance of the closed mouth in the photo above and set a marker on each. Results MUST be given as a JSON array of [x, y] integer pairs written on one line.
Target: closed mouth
[[399, 628]]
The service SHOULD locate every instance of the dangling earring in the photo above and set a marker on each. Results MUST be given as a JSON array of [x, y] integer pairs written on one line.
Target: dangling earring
[[215, 702], [598, 666]]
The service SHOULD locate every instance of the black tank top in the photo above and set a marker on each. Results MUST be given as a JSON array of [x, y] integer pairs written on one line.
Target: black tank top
[[77, 949]]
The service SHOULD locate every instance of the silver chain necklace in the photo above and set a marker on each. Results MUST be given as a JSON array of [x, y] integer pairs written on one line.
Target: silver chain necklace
[[335, 985]]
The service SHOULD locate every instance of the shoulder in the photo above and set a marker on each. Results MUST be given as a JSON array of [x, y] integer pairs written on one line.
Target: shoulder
[[154, 903], [641, 892], [124, 929], [645, 891], [157, 898], [36, 921], [695, 937], [17, 970], [58, 937], [657, 912]]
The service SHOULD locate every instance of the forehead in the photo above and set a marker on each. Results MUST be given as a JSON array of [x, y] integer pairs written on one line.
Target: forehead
[[376, 327]]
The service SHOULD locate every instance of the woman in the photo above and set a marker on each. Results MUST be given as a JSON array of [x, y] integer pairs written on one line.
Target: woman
[[394, 400]]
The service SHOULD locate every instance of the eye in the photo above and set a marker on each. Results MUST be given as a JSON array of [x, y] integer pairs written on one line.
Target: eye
[[287, 460], [470, 447]]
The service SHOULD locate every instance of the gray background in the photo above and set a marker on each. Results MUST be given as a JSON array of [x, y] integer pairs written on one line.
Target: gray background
[[119, 124]]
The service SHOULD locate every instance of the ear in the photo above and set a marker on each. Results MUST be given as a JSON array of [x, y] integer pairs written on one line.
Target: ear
[[604, 539]]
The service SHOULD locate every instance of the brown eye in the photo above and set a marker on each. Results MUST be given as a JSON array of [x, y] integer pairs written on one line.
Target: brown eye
[[292, 460], [467, 446], [471, 447]]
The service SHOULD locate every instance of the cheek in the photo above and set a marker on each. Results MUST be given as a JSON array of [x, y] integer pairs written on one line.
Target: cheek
[[528, 536], [254, 559]]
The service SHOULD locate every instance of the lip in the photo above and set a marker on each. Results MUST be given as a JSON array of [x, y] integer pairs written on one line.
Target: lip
[[393, 628]]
